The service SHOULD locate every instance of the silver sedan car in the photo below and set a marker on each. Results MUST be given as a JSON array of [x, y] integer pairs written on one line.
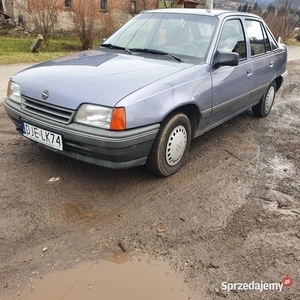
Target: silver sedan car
[[165, 77]]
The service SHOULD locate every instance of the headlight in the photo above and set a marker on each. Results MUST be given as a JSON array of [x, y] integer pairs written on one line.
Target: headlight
[[14, 92], [93, 115], [102, 117]]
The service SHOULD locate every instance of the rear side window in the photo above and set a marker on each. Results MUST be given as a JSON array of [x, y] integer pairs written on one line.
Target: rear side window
[[232, 38], [259, 41], [272, 40]]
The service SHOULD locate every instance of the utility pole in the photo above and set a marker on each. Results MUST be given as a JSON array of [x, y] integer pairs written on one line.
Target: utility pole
[[209, 4]]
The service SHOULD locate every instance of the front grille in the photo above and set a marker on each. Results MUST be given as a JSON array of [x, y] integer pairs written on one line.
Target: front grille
[[52, 112]]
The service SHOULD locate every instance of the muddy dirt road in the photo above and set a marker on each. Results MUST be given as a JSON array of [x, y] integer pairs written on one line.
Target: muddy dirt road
[[232, 214]]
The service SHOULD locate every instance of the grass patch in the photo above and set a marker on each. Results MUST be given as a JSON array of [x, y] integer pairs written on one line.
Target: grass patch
[[16, 49], [294, 39]]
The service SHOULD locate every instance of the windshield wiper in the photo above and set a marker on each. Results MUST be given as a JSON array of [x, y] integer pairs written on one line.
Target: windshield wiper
[[110, 46], [155, 51]]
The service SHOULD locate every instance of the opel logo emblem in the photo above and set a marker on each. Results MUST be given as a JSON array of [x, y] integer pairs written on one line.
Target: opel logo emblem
[[45, 95]]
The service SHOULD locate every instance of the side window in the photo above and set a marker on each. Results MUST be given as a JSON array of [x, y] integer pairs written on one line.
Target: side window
[[233, 39], [103, 4], [267, 42], [272, 40], [259, 41], [68, 3]]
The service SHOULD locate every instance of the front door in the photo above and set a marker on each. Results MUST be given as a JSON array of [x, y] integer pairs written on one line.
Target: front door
[[231, 85]]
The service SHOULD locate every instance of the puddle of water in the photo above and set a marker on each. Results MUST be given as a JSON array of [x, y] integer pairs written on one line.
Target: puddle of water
[[236, 136], [77, 212], [248, 148], [132, 280], [118, 258]]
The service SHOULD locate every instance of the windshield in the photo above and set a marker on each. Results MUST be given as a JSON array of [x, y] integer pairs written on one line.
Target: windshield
[[185, 35]]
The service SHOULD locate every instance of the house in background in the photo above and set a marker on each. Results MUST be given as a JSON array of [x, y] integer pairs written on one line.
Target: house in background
[[119, 11], [126, 6]]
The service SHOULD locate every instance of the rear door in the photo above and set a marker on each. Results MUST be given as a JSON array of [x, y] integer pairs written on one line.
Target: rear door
[[262, 57]]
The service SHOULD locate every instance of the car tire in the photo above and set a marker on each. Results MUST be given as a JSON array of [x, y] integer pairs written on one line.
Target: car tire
[[171, 146], [263, 108]]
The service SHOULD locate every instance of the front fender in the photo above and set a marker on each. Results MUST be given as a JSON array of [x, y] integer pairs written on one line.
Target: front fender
[[153, 103]]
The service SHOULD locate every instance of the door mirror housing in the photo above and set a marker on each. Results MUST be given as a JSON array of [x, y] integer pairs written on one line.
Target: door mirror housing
[[225, 59]]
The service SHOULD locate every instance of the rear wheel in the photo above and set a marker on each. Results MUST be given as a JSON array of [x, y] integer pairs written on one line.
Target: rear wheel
[[263, 108], [171, 146]]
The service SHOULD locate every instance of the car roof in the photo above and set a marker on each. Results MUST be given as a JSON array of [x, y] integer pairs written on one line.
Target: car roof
[[207, 12]]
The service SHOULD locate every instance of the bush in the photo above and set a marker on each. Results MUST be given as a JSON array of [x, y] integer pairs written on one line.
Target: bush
[[85, 15]]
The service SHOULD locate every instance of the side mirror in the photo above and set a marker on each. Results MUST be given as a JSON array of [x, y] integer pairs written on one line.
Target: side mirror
[[225, 59]]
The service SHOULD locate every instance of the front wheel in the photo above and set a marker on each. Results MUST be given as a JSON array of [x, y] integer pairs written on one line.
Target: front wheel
[[263, 108], [171, 146]]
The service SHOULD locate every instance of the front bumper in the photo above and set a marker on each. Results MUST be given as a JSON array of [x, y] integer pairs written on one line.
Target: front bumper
[[111, 149]]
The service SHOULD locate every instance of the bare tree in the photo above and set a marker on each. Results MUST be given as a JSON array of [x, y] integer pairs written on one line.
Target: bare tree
[[107, 26], [2, 6], [85, 15], [43, 14], [283, 20]]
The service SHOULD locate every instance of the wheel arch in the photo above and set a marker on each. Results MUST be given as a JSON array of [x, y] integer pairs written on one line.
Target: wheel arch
[[192, 112], [278, 81]]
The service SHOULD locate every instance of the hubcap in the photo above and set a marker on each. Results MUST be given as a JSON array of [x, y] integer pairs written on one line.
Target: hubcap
[[176, 145], [269, 99]]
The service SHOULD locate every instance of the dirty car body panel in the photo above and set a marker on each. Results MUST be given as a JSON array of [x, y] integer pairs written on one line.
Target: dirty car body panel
[[164, 78]]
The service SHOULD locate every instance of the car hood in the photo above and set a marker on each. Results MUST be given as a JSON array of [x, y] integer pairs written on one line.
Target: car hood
[[92, 76]]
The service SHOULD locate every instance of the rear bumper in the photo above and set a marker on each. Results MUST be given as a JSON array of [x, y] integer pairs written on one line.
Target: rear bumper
[[284, 75], [111, 149]]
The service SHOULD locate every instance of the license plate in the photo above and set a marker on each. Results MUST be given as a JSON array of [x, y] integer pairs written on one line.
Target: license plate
[[42, 136]]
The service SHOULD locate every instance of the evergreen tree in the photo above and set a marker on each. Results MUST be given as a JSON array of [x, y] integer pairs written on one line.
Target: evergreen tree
[[271, 9], [245, 8]]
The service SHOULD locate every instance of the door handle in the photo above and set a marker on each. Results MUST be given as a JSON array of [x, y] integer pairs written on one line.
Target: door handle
[[249, 73], [271, 64]]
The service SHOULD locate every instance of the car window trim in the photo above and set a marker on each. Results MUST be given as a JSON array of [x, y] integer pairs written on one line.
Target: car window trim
[[244, 34]]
